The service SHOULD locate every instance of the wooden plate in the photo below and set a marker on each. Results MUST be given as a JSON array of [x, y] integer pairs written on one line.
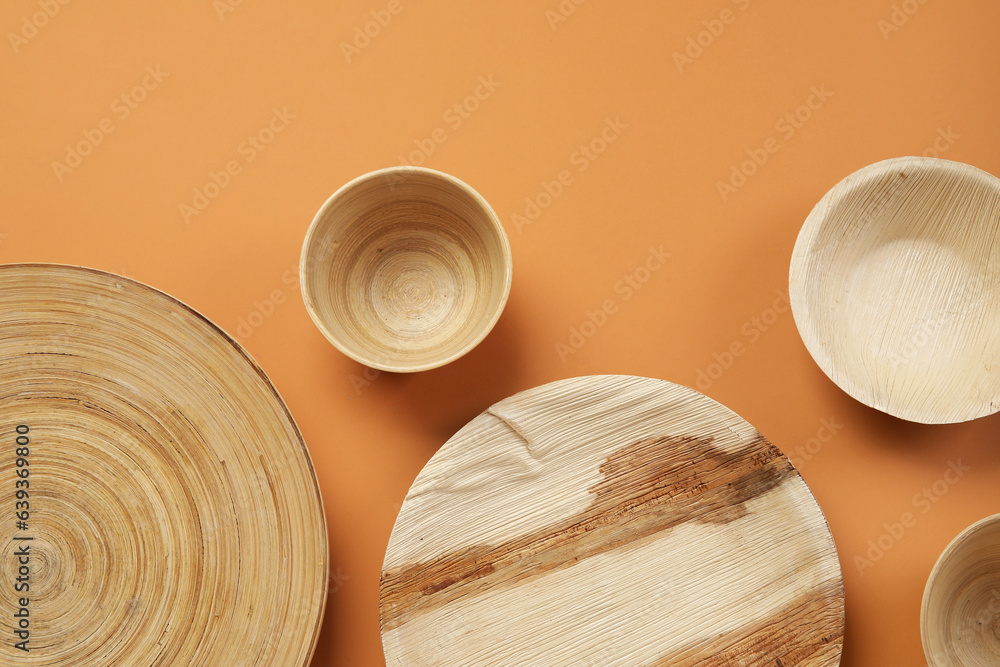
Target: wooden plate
[[171, 514], [895, 288], [609, 521]]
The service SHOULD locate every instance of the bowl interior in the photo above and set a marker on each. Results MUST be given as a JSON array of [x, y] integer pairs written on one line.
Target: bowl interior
[[895, 288], [406, 269], [961, 610]]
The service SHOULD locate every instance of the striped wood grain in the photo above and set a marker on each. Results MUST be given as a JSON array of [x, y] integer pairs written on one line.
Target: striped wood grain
[[605, 521], [895, 288], [960, 614], [175, 517]]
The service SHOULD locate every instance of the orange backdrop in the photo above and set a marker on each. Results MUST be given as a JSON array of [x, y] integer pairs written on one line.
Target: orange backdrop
[[188, 145]]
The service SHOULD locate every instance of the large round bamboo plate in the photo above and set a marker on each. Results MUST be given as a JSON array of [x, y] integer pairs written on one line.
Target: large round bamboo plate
[[157, 503], [609, 521], [895, 288]]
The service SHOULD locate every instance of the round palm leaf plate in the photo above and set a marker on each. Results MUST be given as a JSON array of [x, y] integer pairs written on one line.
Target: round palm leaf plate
[[610, 521]]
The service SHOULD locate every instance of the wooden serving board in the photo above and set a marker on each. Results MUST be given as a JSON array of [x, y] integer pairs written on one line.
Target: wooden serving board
[[171, 513], [609, 521]]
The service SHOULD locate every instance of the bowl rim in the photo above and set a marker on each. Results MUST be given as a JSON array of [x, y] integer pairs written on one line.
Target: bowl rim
[[388, 172], [799, 288], [960, 541]]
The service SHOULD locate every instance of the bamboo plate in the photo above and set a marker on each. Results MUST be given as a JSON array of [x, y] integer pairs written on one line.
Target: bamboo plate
[[608, 521], [895, 288], [172, 513], [960, 616]]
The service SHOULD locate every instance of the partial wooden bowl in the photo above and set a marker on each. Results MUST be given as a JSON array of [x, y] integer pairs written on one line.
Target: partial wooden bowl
[[895, 288], [157, 503], [405, 269], [610, 521], [960, 615]]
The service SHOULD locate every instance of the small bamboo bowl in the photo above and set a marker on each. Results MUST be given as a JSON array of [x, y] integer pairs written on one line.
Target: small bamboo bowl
[[895, 288], [405, 269], [960, 615]]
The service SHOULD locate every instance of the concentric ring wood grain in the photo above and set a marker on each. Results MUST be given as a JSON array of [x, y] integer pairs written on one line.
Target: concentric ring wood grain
[[960, 615], [610, 521], [895, 288], [175, 517], [405, 269]]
